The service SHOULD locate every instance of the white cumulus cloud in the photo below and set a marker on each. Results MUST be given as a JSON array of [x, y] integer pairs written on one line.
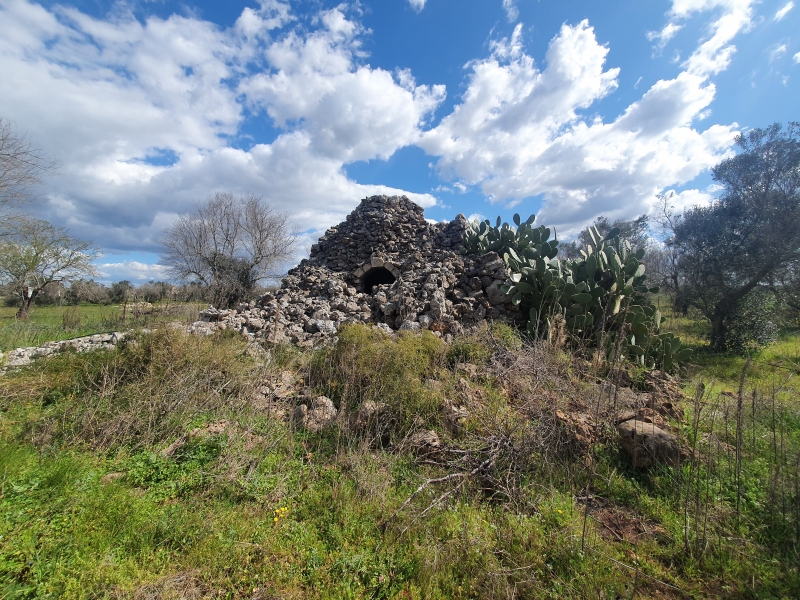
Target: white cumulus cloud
[[665, 35], [417, 5], [131, 270], [714, 54], [784, 11], [681, 201], [149, 114], [520, 129], [777, 52], [512, 12]]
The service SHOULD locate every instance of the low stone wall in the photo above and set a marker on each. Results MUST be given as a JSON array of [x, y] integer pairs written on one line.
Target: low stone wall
[[99, 341]]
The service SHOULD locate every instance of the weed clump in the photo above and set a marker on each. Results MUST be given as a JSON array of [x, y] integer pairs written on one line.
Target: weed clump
[[366, 364], [147, 391], [466, 350], [480, 344]]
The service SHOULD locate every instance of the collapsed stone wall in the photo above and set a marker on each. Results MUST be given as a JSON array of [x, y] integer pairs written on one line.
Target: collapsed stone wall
[[21, 357], [385, 264]]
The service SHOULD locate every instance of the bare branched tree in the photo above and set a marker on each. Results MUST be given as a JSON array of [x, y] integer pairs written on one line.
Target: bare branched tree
[[229, 244], [35, 254], [22, 165]]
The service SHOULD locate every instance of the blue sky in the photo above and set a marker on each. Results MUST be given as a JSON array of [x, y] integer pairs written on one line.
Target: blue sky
[[569, 109]]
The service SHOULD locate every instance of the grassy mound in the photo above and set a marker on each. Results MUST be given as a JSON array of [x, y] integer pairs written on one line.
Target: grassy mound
[[171, 468]]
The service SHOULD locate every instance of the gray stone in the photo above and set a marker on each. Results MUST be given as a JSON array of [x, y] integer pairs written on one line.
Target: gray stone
[[410, 326], [425, 321], [647, 445], [495, 296], [255, 324], [326, 327], [372, 416], [385, 328], [423, 442], [317, 416], [455, 417], [348, 278]]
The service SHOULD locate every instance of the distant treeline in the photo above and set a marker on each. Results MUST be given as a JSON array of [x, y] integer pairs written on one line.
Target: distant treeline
[[89, 291]]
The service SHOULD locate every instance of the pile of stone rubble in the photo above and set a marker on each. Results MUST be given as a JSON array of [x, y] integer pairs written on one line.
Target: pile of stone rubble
[[386, 265]]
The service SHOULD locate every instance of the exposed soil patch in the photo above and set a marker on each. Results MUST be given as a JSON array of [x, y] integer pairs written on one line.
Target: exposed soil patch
[[621, 524]]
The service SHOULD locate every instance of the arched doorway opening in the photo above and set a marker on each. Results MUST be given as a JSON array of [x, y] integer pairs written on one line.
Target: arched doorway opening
[[377, 276]]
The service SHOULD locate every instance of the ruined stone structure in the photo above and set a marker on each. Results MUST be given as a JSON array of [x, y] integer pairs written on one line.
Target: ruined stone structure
[[385, 264]]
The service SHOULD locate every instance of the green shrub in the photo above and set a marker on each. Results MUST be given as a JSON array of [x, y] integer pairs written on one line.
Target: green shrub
[[468, 350], [184, 472], [145, 392], [505, 336], [367, 364], [751, 325], [71, 319]]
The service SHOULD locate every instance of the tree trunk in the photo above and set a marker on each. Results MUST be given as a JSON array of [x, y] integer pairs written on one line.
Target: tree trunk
[[725, 307], [718, 328], [27, 301]]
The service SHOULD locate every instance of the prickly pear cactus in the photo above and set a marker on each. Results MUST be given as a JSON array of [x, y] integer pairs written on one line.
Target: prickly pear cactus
[[482, 237], [602, 295]]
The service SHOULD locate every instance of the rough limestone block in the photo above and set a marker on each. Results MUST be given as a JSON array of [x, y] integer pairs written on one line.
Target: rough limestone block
[[647, 445]]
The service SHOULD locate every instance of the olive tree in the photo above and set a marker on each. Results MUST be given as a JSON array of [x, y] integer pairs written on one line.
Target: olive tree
[[35, 254], [749, 237], [229, 244]]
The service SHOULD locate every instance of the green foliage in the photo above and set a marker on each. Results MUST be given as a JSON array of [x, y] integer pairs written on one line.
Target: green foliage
[[71, 319], [505, 336], [317, 516], [146, 392], [35, 254], [478, 346], [235, 278], [634, 231], [53, 323], [745, 240], [751, 325], [173, 477], [601, 296], [482, 237], [465, 350], [366, 364]]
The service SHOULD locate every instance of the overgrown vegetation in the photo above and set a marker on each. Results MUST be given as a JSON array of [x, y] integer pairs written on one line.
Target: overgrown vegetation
[[171, 468], [53, 323], [728, 256], [600, 299]]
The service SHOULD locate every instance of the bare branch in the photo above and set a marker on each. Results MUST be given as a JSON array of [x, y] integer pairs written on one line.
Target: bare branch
[[22, 165], [229, 244]]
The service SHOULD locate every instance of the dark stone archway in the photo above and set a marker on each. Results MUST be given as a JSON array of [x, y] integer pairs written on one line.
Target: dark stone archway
[[377, 276]]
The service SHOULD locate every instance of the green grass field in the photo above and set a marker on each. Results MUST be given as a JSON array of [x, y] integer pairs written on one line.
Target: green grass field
[[245, 505], [53, 323]]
